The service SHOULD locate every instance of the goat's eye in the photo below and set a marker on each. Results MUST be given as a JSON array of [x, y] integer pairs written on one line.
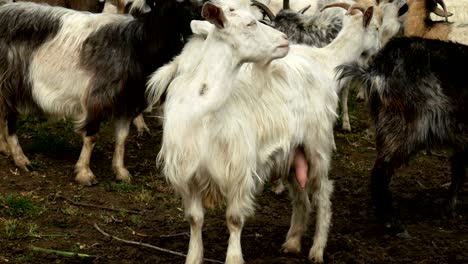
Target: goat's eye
[[232, 9]]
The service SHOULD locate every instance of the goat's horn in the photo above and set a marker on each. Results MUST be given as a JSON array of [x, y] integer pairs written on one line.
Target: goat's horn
[[264, 8], [285, 4], [356, 7], [441, 2], [343, 5], [303, 10]]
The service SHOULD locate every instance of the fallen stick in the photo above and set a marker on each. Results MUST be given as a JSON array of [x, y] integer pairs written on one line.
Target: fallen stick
[[99, 206], [61, 253], [148, 245]]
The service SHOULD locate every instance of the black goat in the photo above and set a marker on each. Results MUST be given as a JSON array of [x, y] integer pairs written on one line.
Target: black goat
[[418, 95]]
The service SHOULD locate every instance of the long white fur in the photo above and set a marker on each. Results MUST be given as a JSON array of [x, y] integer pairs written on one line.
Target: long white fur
[[199, 158], [232, 148]]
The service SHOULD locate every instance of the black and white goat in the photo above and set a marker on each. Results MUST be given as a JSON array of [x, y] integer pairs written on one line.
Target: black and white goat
[[94, 6], [417, 96], [87, 66]]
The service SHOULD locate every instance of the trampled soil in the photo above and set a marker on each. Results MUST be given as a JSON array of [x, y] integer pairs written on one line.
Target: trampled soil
[[355, 235]]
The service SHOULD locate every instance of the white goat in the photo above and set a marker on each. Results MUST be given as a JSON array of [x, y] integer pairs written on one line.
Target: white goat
[[224, 136], [198, 97]]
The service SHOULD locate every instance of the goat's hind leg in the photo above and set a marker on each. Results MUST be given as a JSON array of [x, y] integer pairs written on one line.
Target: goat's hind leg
[[139, 123], [300, 201], [381, 175], [459, 169], [122, 129], [345, 125], [8, 127], [322, 188]]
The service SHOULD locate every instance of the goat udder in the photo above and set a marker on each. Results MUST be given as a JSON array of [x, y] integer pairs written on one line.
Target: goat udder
[[301, 168]]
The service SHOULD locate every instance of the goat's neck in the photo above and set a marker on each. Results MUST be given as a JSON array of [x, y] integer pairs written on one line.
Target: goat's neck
[[346, 47], [219, 67], [415, 24]]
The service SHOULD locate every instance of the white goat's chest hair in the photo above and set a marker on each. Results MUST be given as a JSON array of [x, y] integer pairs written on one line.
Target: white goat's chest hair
[[62, 92]]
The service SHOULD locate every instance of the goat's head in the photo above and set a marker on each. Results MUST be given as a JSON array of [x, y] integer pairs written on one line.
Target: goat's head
[[174, 15], [359, 20], [393, 15], [252, 41]]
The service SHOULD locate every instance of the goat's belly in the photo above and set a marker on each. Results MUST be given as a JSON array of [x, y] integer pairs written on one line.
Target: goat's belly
[[58, 84]]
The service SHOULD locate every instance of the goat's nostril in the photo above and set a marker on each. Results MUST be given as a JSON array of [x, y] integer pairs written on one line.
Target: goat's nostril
[[285, 36]]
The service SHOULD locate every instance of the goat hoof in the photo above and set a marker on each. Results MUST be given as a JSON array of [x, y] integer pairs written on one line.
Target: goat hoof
[[346, 127], [123, 175], [24, 165], [4, 151], [29, 167], [86, 178], [315, 257], [234, 259], [291, 246], [403, 235]]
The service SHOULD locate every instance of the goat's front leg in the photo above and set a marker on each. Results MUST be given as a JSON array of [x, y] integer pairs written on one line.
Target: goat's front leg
[[240, 205], [84, 175], [194, 213], [122, 128]]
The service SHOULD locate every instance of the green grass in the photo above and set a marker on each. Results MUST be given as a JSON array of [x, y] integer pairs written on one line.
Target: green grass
[[16, 229], [122, 187], [19, 206]]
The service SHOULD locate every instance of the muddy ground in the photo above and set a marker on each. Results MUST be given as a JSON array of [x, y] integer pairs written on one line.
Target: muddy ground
[[46, 209]]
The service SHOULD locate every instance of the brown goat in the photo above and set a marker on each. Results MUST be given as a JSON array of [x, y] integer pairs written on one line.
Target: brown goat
[[419, 24]]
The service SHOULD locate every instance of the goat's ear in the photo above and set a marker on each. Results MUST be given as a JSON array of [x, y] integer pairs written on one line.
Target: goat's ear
[[367, 16], [213, 14], [403, 9], [200, 27]]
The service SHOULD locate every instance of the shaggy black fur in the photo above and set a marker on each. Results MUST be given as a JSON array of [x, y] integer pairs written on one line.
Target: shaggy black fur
[[94, 6], [318, 30], [418, 94]]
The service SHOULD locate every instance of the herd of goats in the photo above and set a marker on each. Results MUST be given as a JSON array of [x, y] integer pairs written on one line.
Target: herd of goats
[[249, 91]]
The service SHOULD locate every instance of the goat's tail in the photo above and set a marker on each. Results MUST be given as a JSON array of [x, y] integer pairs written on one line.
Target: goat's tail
[[159, 82], [353, 72]]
